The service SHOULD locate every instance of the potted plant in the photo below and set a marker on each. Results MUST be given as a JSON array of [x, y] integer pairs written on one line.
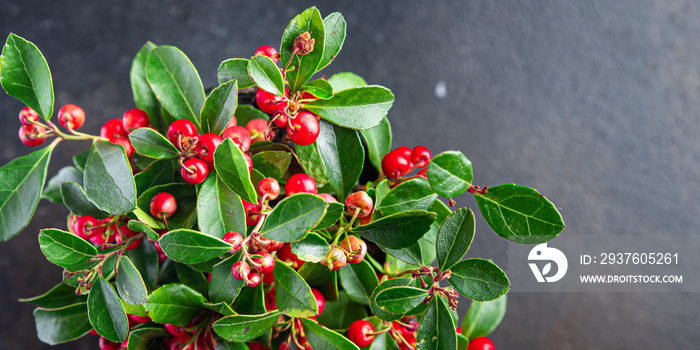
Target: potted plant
[[236, 218]]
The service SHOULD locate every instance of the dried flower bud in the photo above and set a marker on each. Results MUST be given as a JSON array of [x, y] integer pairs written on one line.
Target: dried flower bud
[[303, 44]]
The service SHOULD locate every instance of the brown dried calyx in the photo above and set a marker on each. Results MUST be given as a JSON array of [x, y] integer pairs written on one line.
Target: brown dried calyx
[[303, 44]]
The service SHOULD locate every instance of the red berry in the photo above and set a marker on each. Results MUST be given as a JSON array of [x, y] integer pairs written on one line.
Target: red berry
[[284, 346], [179, 129], [420, 156], [71, 117], [248, 162], [83, 227], [32, 134], [300, 183], [239, 135], [113, 128], [235, 239], [28, 115], [128, 148], [286, 255], [252, 213], [328, 198], [270, 303], [106, 344], [335, 259], [265, 263], [232, 122], [423, 173], [240, 270], [303, 129], [134, 119], [356, 248], [361, 332], [308, 96], [206, 145], [270, 187], [280, 118], [163, 205], [361, 201], [195, 171], [396, 164], [140, 319], [320, 300], [268, 51], [253, 280], [481, 343], [175, 330], [133, 245], [257, 128], [274, 246], [269, 102], [256, 346]]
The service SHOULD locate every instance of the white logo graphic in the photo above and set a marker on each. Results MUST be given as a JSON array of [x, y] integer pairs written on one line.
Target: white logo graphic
[[542, 252]]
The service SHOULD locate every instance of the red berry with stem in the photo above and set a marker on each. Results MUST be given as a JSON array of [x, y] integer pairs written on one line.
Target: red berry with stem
[[396, 164], [481, 343], [206, 145], [174, 330], [140, 319], [268, 51], [84, 227], [134, 119], [239, 135], [231, 122], [27, 115], [335, 259], [163, 205], [359, 201], [286, 255], [356, 248], [257, 128], [235, 239], [320, 300], [303, 129], [265, 263], [252, 213], [240, 270], [269, 102], [300, 183], [328, 198], [361, 332], [270, 187], [274, 246], [113, 128], [194, 171], [248, 162], [420, 156], [280, 118], [179, 129], [128, 148], [133, 245], [71, 117], [32, 135], [106, 344], [253, 279]]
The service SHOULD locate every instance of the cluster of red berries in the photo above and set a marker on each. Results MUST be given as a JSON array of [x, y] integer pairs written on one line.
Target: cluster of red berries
[[403, 332], [33, 133], [112, 229], [403, 160], [117, 130]]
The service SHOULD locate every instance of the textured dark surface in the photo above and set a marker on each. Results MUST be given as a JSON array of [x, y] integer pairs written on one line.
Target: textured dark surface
[[596, 105]]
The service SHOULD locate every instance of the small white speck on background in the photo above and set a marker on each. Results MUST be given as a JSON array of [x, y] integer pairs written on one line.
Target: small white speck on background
[[441, 89]]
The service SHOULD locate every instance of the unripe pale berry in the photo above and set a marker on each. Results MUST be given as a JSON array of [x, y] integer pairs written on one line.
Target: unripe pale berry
[[335, 259], [270, 187], [71, 117], [361, 201], [356, 248], [27, 115]]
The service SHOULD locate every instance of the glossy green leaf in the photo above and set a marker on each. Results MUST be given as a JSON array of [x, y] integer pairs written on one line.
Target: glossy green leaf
[[414, 194], [243, 328], [266, 74], [219, 210], [355, 108], [192, 278], [231, 167], [436, 330], [450, 173], [160, 172], [75, 199], [106, 312], [130, 285], [146, 338], [246, 113], [25, 75], [186, 198], [311, 162], [454, 238], [222, 308], [145, 259], [340, 314], [175, 82], [292, 295], [359, 281], [312, 248], [174, 304], [223, 287], [302, 67], [399, 230], [250, 301], [334, 27], [108, 180], [462, 342], [320, 337], [272, 163], [59, 296], [412, 255], [400, 299], [378, 139], [333, 214], [235, 69], [483, 317], [376, 310], [150, 143], [139, 226], [314, 274], [144, 97], [65, 249], [21, 183], [320, 88], [55, 326], [427, 244], [343, 156], [52, 191], [346, 80], [293, 217], [520, 214], [441, 209], [479, 279], [219, 107], [383, 341], [191, 247]]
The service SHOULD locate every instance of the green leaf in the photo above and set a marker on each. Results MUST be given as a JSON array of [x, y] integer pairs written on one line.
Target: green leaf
[[243, 328], [302, 67], [251, 301], [378, 140], [311, 162], [174, 304], [450, 173], [146, 338], [520, 214], [342, 313], [147, 219], [414, 194], [412, 255], [235, 69], [312, 248], [454, 238], [80, 159], [129, 282], [400, 299], [65, 249], [219, 210], [191, 247], [320, 337], [75, 199], [479, 279], [144, 97], [145, 259], [359, 281], [175, 82], [21, 183], [139, 226], [160, 172], [219, 107], [483, 317], [427, 244], [346, 80], [441, 209], [246, 113], [150, 143], [383, 341], [355, 108], [399, 230], [55, 326], [232, 169], [376, 310], [25, 75], [272, 163], [106, 312], [60, 295], [293, 217], [462, 342], [266, 74], [222, 308], [320, 88], [52, 191], [314, 274], [186, 199], [108, 180], [292, 295], [223, 287], [333, 214], [343, 156], [192, 278], [437, 329], [334, 27]]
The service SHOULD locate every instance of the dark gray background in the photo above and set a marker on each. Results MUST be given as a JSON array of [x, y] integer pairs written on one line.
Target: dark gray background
[[593, 103]]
